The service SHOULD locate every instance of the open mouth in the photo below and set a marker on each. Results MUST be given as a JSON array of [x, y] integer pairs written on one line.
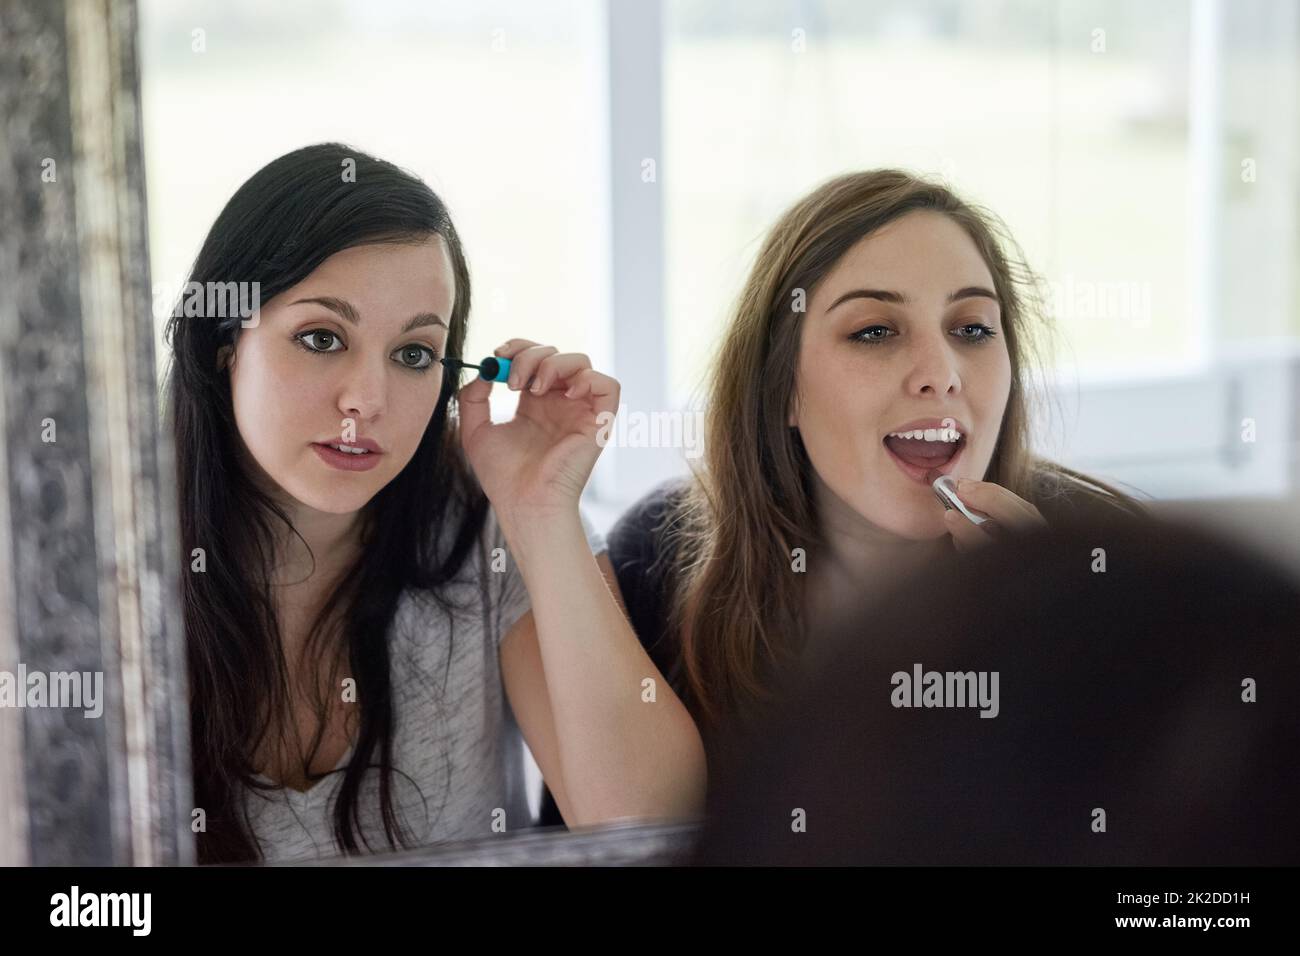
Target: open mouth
[[921, 460]]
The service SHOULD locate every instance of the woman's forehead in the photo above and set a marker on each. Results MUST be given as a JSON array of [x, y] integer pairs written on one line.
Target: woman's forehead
[[915, 253], [386, 278]]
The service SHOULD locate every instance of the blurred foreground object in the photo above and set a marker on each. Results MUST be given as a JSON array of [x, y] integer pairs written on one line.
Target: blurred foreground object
[[1156, 698]]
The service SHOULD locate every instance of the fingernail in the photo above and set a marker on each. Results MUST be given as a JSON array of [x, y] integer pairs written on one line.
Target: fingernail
[[514, 382], [537, 386]]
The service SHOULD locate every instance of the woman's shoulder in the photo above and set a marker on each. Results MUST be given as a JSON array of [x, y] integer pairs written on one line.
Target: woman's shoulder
[[642, 549], [641, 538], [1065, 496]]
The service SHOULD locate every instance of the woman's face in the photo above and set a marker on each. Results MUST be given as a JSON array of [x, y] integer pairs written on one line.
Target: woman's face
[[350, 352], [919, 286]]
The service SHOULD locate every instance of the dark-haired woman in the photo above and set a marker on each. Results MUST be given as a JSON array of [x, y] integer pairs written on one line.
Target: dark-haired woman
[[384, 587]]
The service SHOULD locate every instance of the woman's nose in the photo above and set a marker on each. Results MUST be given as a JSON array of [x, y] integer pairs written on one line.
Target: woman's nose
[[934, 366], [364, 392]]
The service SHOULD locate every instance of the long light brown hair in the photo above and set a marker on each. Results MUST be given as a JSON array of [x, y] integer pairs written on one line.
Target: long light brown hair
[[735, 606]]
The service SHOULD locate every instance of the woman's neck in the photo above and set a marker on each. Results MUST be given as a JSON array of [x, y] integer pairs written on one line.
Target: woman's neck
[[303, 581], [859, 561], [316, 545], [310, 561], [323, 545], [863, 551]]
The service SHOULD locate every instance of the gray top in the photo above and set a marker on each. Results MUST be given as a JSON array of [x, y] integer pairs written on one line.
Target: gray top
[[458, 755]]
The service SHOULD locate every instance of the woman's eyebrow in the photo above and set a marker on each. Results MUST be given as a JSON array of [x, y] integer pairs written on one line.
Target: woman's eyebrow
[[347, 310], [897, 298]]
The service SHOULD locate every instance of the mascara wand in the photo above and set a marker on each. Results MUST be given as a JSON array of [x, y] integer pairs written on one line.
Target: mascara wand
[[491, 369]]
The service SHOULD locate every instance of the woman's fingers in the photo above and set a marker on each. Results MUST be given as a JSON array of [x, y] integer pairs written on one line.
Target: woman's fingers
[[512, 347], [966, 535], [524, 364], [547, 368], [472, 405], [1005, 510], [602, 389], [1001, 504], [513, 350], [558, 368]]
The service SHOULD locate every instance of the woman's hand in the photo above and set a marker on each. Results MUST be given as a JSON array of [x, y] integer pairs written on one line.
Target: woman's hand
[[1007, 511], [537, 464]]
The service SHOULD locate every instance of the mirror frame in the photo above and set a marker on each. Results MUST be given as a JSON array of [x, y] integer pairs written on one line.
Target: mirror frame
[[87, 517]]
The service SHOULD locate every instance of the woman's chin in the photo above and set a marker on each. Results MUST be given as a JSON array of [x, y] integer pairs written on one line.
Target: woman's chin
[[922, 525], [330, 500]]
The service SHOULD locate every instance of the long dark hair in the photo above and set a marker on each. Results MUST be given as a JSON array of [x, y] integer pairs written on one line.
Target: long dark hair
[[278, 227]]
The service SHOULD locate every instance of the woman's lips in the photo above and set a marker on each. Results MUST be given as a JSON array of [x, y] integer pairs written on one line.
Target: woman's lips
[[923, 475], [346, 461]]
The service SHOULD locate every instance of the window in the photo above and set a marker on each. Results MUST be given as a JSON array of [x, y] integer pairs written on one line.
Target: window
[[493, 104], [1120, 142]]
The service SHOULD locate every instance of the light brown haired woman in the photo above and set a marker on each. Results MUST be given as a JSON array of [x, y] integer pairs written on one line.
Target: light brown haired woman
[[880, 306]]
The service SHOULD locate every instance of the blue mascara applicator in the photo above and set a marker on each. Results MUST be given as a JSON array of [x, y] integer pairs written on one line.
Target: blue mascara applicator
[[492, 369]]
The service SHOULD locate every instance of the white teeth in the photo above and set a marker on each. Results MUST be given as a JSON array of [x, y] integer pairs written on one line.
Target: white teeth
[[930, 434], [350, 450]]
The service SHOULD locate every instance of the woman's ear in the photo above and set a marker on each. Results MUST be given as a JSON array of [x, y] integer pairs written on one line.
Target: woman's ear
[[223, 354]]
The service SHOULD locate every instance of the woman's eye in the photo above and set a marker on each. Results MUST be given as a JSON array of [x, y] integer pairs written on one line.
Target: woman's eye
[[863, 336], [316, 335], [867, 336], [986, 334], [417, 358], [416, 353]]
